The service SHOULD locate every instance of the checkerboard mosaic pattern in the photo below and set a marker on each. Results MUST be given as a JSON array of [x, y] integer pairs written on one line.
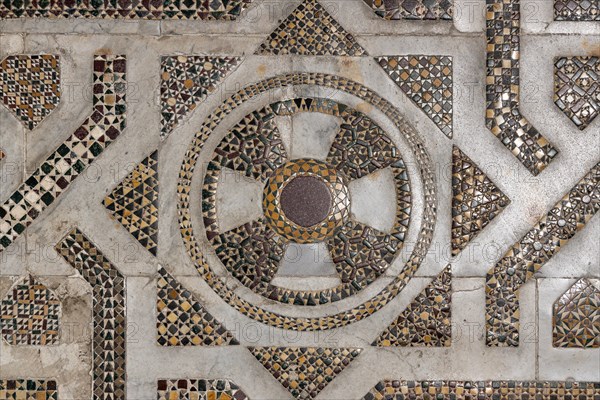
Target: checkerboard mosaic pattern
[[576, 316], [71, 158], [577, 88], [576, 10], [503, 117], [28, 389], [199, 389], [30, 314], [30, 86]]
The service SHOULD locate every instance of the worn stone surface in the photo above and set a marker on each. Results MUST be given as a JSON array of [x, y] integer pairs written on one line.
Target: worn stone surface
[[303, 131]]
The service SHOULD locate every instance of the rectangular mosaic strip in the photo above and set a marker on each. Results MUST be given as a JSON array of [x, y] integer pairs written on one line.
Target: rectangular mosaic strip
[[64, 165], [528, 255], [576, 10], [483, 390], [413, 9], [108, 314], [125, 9], [199, 389], [28, 389]]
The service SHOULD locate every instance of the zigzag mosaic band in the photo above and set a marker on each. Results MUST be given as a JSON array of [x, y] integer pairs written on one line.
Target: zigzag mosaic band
[[66, 163], [503, 116], [528, 255]]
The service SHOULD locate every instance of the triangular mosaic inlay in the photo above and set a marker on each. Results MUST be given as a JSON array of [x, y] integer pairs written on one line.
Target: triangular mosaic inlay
[[427, 80], [182, 320], [426, 321], [134, 203], [304, 371], [186, 81], [311, 30], [476, 200], [576, 317]]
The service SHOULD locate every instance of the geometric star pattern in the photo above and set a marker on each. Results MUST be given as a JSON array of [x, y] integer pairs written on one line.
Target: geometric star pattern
[[529, 254], [134, 203], [311, 30], [304, 371], [108, 313], [503, 116], [413, 9], [476, 200], [577, 88], [576, 317], [30, 314], [182, 320], [199, 389], [74, 155], [427, 80], [28, 389], [185, 81], [30, 86], [426, 321]]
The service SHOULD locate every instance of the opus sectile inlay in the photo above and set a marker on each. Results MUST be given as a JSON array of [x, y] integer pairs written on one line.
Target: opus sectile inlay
[[185, 81], [360, 148], [182, 321], [528, 255], [28, 389], [199, 389], [71, 158], [108, 313], [427, 81], [311, 30], [413, 9], [576, 317], [304, 371], [577, 88], [30, 314], [576, 10], [125, 9], [134, 203], [426, 320], [252, 252], [30, 86], [483, 390], [476, 200], [503, 117]]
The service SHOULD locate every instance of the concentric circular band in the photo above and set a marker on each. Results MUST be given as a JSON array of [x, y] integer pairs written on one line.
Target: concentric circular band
[[345, 317]]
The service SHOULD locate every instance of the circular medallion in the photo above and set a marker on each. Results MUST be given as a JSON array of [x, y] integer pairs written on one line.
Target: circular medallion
[[305, 201]]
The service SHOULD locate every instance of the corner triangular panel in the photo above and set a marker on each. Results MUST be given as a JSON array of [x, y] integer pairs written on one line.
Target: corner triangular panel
[[426, 321], [187, 80], [576, 317], [476, 200], [134, 203], [427, 81], [182, 320], [311, 30], [304, 371]]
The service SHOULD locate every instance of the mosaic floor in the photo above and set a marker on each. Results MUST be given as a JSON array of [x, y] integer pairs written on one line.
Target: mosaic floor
[[299, 199]]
